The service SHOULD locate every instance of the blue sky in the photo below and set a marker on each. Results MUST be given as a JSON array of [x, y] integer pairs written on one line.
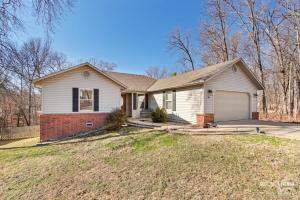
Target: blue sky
[[131, 33]]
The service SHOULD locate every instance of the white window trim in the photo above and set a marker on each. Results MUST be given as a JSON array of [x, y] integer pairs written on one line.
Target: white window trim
[[168, 100], [91, 99]]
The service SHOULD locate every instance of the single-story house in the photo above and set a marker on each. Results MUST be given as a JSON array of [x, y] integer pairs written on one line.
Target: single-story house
[[79, 98]]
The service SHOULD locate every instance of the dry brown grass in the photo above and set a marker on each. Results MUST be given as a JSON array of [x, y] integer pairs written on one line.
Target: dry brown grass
[[277, 117], [154, 165]]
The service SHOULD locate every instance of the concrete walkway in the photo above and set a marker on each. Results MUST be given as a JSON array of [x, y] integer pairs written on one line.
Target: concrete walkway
[[279, 129], [147, 123]]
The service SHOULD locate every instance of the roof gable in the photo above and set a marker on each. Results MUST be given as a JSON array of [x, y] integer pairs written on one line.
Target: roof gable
[[39, 81], [141, 83], [240, 63], [202, 75]]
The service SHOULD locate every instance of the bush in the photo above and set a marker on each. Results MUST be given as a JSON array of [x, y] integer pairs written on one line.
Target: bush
[[116, 119], [159, 115]]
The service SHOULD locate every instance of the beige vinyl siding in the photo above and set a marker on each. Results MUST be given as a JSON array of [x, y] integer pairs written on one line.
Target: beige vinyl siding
[[230, 81], [155, 100], [57, 91], [189, 103]]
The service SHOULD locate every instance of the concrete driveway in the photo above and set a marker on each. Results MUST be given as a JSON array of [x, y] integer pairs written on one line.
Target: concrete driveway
[[280, 129]]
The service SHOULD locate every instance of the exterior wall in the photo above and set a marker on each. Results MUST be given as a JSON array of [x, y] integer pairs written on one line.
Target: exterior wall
[[155, 100], [189, 103], [203, 119], [255, 115], [57, 126], [57, 91], [230, 81]]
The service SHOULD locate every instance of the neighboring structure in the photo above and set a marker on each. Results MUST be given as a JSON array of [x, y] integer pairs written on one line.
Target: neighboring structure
[[78, 99]]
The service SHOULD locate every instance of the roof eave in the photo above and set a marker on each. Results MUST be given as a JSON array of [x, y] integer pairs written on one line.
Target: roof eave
[[178, 87], [134, 91], [37, 82]]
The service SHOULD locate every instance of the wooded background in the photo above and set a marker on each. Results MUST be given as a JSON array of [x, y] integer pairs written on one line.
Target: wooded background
[[264, 33]]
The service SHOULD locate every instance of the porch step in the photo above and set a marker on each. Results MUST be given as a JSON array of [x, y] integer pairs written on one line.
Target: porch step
[[142, 124], [145, 113]]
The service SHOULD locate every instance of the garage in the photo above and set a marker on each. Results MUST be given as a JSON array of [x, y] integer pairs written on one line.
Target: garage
[[231, 105]]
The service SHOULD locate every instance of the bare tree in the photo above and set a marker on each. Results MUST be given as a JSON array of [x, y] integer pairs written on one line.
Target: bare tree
[[103, 65], [217, 43], [291, 12], [34, 59], [248, 12], [181, 42], [266, 35], [46, 12], [100, 64], [157, 72]]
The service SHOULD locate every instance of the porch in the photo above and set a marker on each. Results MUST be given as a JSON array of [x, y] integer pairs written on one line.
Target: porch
[[136, 105]]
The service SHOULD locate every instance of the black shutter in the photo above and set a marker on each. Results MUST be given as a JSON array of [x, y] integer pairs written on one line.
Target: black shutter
[[146, 101], [96, 99], [164, 99], [75, 99], [134, 101], [174, 100]]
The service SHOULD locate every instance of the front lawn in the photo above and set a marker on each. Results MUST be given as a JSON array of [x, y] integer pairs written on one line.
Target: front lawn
[[154, 165]]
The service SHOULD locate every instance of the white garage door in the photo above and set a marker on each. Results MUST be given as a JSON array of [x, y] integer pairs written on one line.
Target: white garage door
[[231, 106]]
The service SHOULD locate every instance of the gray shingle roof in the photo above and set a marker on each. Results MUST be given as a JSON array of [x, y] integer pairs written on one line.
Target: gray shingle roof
[[134, 82], [142, 83], [192, 77]]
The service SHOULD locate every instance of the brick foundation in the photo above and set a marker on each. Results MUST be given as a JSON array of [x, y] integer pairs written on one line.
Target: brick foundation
[[255, 115], [203, 119], [57, 126]]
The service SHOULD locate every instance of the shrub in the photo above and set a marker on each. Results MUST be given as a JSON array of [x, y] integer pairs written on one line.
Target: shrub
[[116, 119], [159, 115]]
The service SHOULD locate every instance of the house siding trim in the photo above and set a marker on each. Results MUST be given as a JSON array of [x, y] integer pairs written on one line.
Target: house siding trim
[[57, 91], [189, 103]]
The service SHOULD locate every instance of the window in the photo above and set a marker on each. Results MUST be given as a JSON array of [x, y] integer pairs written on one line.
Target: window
[[86, 100], [169, 103]]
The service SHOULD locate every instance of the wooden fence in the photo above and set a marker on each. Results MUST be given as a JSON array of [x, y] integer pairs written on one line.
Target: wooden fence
[[12, 133]]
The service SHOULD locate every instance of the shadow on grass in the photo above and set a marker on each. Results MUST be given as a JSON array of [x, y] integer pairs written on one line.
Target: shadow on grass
[[107, 135], [78, 139]]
